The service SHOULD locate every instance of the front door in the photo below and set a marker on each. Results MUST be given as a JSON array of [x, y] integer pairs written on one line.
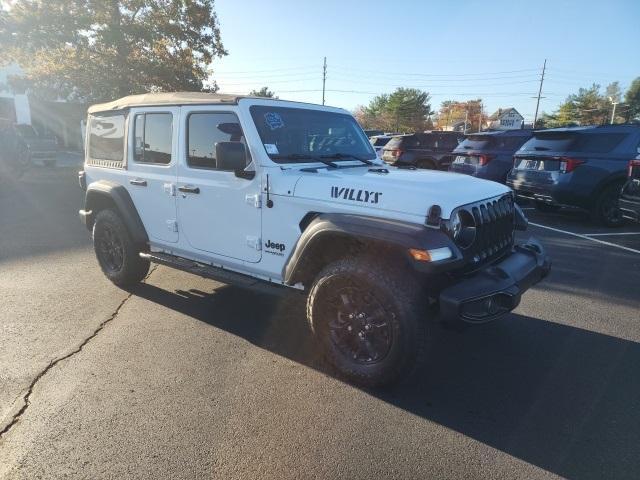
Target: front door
[[218, 212], [152, 170]]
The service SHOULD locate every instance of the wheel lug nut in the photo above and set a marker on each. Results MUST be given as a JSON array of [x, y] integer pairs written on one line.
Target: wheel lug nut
[[349, 328]]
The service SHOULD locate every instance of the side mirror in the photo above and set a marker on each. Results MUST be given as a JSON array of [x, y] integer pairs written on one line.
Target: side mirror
[[233, 156]]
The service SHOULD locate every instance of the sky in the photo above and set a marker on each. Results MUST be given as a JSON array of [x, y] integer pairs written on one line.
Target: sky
[[455, 50]]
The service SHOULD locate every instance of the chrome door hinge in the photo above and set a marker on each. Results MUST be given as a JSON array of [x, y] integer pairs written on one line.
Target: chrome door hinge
[[172, 225], [254, 242], [254, 199], [170, 189]]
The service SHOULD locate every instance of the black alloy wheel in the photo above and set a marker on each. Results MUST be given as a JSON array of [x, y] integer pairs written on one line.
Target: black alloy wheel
[[360, 327]]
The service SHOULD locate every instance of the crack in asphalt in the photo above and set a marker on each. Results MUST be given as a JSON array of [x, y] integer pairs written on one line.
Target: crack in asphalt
[[27, 396]]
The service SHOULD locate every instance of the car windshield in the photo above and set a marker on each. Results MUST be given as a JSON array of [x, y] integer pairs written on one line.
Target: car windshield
[[26, 131], [295, 134]]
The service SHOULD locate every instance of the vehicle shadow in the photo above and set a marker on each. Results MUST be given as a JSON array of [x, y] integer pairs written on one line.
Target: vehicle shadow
[[559, 397]]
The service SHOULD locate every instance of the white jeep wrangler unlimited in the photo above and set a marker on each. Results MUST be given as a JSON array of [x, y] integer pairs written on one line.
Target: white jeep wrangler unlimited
[[281, 195]]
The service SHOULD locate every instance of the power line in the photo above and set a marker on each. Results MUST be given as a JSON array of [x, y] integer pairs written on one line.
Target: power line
[[435, 74]]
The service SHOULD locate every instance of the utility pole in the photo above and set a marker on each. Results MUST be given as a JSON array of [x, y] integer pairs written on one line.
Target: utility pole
[[613, 113], [324, 78], [535, 118], [480, 119], [466, 119]]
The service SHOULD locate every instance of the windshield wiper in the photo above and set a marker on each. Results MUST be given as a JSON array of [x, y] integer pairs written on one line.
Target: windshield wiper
[[341, 156], [304, 156]]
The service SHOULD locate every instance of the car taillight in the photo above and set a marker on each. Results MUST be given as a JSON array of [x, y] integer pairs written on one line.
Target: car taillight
[[484, 159], [568, 165], [632, 165], [396, 153]]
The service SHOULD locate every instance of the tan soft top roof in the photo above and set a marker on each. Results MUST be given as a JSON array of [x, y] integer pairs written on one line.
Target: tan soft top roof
[[171, 98]]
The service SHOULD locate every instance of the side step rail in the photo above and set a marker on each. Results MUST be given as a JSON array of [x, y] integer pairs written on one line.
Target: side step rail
[[218, 274]]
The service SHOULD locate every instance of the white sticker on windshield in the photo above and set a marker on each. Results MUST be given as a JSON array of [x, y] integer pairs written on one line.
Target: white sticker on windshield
[[271, 148], [273, 120]]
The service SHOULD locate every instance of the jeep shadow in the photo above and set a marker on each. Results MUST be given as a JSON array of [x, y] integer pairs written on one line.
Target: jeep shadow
[[564, 399]]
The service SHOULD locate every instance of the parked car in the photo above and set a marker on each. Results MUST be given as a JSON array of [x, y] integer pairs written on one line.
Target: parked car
[[379, 141], [582, 167], [629, 201], [285, 196], [41, 147], [489, 155], [431, 150], [14, 152]]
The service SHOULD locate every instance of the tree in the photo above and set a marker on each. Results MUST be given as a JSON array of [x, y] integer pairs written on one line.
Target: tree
[[587, 107], [96, 50], [405, 110], [452, 112], [263, 92], [632, 100]]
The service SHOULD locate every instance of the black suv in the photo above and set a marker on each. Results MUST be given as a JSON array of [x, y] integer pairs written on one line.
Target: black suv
[[630, 196], [489, 155], [422, 150], [583, 167]]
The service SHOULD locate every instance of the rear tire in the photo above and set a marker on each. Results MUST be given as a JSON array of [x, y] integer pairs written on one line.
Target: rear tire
[[606, 211], [427, 165], [546, 207], [117, 255], [369, 321]]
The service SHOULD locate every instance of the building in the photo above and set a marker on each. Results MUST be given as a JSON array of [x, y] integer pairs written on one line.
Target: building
[[13, 106], [59, 118], [506, 119]]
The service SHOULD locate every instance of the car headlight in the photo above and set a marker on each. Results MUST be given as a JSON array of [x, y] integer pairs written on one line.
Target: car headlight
[[463, 228]]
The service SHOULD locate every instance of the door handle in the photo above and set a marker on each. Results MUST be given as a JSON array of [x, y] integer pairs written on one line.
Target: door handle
[[138, 182], [189, 189]]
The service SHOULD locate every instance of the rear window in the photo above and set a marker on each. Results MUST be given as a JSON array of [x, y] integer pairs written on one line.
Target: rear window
[[436, 141], [379, 142], [597, 142], [574, 142], [396, 142], [106, 138]]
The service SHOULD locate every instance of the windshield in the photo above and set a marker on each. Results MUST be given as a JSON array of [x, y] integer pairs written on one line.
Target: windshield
[[293, 134], [26, 131]]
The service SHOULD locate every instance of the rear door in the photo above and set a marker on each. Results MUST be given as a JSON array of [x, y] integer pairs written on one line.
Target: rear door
[[152, 169]]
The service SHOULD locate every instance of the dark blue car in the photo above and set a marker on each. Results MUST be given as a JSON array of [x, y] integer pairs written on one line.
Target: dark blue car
[[488, 154], [583, 167]]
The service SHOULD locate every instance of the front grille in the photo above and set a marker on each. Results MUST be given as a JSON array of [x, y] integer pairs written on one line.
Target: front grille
[[494, 219]]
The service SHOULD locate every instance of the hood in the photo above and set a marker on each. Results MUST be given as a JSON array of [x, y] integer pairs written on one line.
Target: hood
[[400, 190]]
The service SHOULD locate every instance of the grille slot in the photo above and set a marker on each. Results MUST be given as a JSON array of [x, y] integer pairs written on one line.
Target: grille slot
[[494, 230]]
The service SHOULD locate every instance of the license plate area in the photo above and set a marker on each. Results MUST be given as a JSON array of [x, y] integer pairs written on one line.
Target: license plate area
[[538, 165], [466, 160]]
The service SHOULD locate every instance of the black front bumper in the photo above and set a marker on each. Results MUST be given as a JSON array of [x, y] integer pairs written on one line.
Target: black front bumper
[[495, 290]]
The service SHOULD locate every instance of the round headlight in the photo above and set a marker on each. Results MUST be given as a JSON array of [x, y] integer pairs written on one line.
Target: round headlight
[[463, 228]]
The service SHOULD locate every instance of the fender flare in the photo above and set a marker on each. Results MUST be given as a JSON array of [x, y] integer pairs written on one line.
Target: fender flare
[[98, 192], [396, 233]]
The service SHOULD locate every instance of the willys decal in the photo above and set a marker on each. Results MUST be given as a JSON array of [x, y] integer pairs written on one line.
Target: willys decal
[[355, 195]]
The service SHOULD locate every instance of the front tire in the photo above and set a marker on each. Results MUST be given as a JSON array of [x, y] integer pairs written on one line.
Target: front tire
[[117, 255], [369, 320]]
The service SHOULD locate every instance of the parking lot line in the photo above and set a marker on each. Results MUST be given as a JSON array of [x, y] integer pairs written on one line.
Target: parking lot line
[[611, 234], [579, 235]]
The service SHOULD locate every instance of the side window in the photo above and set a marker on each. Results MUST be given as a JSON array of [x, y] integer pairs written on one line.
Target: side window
[[106, 139], [152, 138], [206, 130]]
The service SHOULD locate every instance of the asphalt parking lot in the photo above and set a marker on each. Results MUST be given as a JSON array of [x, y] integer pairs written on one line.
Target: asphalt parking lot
[[187, 378]]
